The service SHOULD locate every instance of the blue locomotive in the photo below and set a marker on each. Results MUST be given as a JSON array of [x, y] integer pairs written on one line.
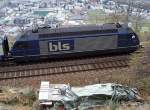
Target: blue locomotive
[[73, 41]]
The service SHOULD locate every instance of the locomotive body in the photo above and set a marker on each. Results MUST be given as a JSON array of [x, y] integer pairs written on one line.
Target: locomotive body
[[73, 41]]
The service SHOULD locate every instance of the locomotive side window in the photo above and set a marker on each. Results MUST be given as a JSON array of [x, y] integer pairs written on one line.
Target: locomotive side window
[[79, 33], [22, 45]]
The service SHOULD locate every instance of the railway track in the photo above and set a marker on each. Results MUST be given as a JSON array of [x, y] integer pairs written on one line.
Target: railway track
[[63, 67]]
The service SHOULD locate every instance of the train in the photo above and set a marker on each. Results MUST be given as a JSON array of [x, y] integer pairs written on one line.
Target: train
[[73, 41]]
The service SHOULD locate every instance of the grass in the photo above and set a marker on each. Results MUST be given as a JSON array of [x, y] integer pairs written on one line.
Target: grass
[[144, 85], [100, 17], [15, 98], [96, 17], [130, 106]]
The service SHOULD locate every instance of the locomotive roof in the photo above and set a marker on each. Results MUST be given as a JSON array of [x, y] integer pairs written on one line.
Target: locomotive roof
[[79, 28], [72, 31]]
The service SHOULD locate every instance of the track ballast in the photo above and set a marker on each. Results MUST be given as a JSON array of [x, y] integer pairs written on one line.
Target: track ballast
[[63, 67]]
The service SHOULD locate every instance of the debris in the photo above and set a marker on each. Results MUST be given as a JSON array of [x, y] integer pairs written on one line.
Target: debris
[[55, 95], [58, 95]]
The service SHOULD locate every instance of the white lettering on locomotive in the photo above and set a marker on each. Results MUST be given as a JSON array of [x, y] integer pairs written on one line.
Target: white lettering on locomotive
[[58, 46]]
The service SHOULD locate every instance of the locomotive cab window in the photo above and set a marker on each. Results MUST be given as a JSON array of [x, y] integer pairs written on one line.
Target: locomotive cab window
[[1, 47], [22, 45], [133, 37]]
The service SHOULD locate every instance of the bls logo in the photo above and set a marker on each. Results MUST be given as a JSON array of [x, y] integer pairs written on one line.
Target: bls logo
[[61, 45]]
